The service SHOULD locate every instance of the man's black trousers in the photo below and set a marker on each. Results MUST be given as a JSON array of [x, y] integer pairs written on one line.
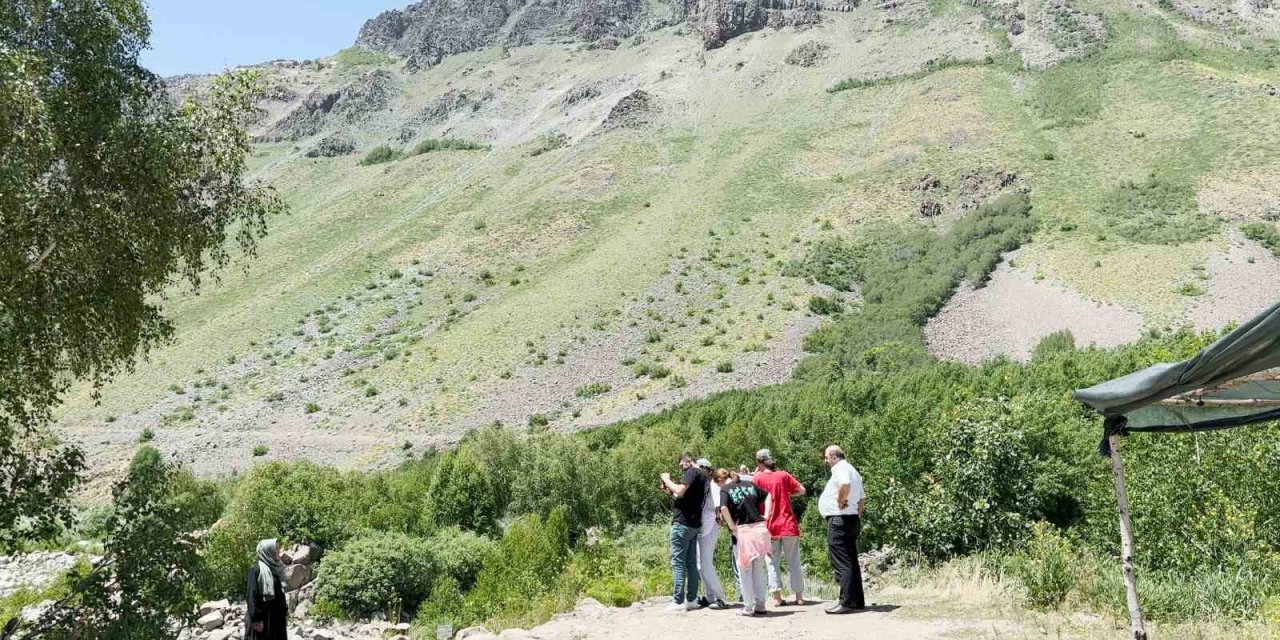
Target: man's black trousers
[[842, 547]]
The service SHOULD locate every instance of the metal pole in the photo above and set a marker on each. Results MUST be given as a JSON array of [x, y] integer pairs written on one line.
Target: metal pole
[[1126, 541]]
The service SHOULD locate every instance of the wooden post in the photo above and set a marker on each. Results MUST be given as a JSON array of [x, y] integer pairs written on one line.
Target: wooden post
[[1126, 541]]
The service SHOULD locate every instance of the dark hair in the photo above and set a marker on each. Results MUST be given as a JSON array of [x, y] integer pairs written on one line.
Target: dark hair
[[686, 457], [770, 465]]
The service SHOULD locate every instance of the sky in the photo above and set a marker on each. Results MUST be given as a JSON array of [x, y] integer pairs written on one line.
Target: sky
[[196, 36]]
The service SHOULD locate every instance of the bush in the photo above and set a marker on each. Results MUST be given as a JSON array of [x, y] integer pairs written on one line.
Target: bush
[[549, 141], [1157, 210], [380, 573], [260, 450], [1056, 342], [461, 495], [460, 554], [446, 144], [381, 154], [147, 435], [593, 389], [724, 367], [1265, 234], [825, 306], [527, 563], [1045, 565], [357, 56]]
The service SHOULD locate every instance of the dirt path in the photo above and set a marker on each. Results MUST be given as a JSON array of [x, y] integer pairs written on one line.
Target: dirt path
[[649, 620]]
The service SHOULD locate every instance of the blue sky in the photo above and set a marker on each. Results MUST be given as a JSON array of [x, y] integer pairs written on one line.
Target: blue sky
[[197, 36]]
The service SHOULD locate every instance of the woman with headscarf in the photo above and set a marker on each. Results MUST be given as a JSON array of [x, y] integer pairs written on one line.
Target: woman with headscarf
[[268, 611]]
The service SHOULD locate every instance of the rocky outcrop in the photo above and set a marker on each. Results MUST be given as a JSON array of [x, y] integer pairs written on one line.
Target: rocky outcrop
[[808, 54], [720, 20], [451, 102], [424, 33], [338, 144], [352, 103], [33, 570], [634, 110]]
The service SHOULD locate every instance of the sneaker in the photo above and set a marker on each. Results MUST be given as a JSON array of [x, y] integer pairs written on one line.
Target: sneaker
[[692, 606], [746, 612], [719, 605], [703, 602], [676, 607]]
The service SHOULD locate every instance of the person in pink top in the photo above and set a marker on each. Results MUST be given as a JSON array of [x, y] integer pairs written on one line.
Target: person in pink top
[[784, 528]]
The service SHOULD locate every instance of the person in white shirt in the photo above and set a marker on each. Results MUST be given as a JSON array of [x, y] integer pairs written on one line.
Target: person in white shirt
[[841, 505], [708, 537]]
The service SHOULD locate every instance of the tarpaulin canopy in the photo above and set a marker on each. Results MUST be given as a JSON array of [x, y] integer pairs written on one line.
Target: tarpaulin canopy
[[1228, 384]]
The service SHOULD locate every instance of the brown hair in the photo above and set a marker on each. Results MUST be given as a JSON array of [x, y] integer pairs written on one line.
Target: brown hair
[[721, 474]]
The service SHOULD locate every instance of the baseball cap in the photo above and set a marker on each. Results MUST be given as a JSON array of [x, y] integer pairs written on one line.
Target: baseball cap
[[764, 455], [703, 462]]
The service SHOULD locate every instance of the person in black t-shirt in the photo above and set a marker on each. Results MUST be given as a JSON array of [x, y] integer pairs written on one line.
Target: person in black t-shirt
[[686, 522], [745, 508]]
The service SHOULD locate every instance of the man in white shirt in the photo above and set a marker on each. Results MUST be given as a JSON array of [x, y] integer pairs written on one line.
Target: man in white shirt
[[841, 505]]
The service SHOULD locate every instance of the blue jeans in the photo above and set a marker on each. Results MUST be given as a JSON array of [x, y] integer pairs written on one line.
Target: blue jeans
[[684, 562]]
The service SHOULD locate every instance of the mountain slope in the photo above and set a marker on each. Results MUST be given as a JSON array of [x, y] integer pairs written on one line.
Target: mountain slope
[[620, 245]]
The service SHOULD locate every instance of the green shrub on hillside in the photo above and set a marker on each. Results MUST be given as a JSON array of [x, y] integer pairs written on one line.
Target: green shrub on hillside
[[358, 56], [447, 144], [1057, 342], [1265, 234], [549, 141], [1157, 210], [593, 389], [380, 154], [906, 274], [380, 573]]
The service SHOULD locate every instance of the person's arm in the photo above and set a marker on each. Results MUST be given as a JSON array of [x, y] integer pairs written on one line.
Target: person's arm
[[728, 520], [676, 490], [768, 506], [862, 507]]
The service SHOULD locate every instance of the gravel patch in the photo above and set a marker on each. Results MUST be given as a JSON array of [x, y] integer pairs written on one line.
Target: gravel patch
[[1010, 315], [1243, 281]]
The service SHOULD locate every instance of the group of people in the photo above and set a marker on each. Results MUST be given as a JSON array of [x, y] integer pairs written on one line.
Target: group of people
[[756, 508]]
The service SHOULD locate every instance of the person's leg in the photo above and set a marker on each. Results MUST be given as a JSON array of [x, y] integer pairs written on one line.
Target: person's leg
[[795, 568], [758, 571], [707, 562], [857, 598], [691, 564], [737, 571], [773, 567], [746, 588], [838, 552], [677, 562]]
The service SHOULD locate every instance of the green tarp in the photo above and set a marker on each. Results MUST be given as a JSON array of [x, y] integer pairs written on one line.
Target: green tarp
[[1223, 386]]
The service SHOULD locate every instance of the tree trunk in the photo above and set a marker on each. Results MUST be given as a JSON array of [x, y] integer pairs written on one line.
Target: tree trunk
[[1126, 541]]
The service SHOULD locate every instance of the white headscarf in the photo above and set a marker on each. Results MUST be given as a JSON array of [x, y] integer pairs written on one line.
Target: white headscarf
[[268, 566]]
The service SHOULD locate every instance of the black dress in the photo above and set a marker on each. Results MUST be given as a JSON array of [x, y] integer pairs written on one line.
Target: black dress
[[273, 613]]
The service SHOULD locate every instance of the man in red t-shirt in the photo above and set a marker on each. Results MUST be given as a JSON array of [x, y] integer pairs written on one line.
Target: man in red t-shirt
[[784, 529]]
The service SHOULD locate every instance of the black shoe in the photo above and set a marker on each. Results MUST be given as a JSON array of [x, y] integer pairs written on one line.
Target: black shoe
[[840, 610], [719, 605], [703, 603]]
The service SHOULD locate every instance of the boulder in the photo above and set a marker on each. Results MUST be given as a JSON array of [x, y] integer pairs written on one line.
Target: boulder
[[513, 634], [301, 554], [474, 633], [210, 621], [296, 575], [323, 634], [216, 605], [219, 634]]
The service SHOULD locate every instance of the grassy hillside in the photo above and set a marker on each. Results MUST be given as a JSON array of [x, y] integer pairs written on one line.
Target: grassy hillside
[[589, 265]]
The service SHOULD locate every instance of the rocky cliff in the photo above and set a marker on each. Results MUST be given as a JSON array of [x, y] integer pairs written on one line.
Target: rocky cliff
[[424, 33]]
